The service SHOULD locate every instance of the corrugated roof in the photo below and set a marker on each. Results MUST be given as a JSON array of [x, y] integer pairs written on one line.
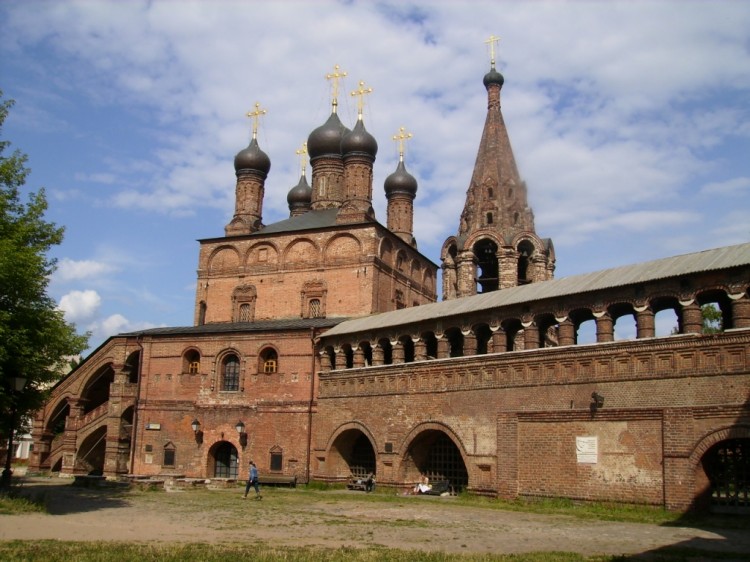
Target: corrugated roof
[[719, 258], [224, 327]]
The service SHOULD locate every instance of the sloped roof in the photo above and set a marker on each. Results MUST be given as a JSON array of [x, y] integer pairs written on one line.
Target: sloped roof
[[719, 258], [224, 327]]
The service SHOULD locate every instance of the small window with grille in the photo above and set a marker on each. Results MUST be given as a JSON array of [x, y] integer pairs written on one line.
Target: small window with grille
[[245, 315], [314, 308]]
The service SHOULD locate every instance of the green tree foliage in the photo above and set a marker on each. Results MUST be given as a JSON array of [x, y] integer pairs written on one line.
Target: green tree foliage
[[712, 319], [35, 339]]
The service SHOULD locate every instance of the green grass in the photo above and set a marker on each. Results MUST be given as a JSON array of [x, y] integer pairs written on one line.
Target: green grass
[[12, 504], [127, 552]]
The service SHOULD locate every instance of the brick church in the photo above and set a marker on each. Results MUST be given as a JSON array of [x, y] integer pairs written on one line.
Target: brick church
[[319, 349]]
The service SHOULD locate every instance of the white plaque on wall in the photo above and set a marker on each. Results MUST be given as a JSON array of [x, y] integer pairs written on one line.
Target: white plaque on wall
[[587, 449]]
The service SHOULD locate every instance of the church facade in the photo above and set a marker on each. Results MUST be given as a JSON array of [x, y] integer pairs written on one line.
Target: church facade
[[319, 349]]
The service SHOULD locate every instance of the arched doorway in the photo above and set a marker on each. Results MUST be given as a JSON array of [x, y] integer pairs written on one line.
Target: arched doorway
[[351, 453], [90, 455], [727, 466], [434, 454], [225, 460]]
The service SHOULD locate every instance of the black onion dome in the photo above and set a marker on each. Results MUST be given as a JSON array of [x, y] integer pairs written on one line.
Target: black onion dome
[[359, 140], [400, 181], [300, 195], [493, 77], [252, 158], [326, 139]]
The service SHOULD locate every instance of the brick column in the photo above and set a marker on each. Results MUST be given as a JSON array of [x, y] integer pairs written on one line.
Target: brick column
[[444, 347], [692, 318], [679, 475], [325, 362], [398, 352], [531, 336], [466, 273], [605, 328], [359, 358], [499, 341], [470, 344], [420, 350], [644, 323], [741, 313], [567, 332], [507, 455], [378, 357]]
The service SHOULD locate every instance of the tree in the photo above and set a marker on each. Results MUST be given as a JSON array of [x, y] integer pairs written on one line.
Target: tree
[[35, 339]]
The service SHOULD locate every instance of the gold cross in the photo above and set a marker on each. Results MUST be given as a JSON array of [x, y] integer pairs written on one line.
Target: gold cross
[[402, 137], [302, 153], [335, 76], [491, 41], [361, 93], [255, 115]]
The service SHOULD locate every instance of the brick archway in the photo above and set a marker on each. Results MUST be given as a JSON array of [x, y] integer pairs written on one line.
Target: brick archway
[[703, 487], [351, 449], [434, 450]]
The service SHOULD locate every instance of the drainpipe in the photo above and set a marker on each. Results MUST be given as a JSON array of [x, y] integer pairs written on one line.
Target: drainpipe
[[135, 405], [310, 406]]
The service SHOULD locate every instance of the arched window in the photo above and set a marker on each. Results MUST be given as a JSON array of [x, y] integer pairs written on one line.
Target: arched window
[[226, 463], [269, 361], [231, 373], [191, 362]]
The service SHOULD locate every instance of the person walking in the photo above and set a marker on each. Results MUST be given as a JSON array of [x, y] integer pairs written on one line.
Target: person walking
[[252, 480]]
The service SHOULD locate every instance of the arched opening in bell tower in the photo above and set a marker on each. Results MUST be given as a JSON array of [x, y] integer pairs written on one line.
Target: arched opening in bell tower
[[488, 269]]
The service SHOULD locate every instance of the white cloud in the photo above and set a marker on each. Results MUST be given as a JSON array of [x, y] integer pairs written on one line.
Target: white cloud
[[74, 270], [734, 186], [80, 307]]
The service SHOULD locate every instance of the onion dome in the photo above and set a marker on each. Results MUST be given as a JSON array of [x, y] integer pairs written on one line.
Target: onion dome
[[326, 139], [400, 181], [300, 196], [359, 140], [493, 77], [252, 158]]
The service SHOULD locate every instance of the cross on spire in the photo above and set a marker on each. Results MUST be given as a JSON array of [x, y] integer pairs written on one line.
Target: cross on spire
[[302, 153], [401, 138], [335, 76], [362, 92], [491, 42], [255, 115]]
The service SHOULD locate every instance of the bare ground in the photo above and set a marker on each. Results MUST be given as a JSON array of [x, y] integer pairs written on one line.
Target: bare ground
[[338, 518]]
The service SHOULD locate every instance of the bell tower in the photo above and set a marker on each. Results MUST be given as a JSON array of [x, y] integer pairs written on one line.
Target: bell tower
[[496, 246]]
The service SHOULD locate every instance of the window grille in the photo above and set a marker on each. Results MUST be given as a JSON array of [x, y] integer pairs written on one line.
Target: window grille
[[245, 313], [231, 381], [314, 308]]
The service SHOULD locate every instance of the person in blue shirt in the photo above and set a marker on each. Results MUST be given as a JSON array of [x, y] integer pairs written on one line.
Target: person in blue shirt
[[252, 480]]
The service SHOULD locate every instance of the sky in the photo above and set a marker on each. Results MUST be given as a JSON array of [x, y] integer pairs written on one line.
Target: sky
[[630, 123]]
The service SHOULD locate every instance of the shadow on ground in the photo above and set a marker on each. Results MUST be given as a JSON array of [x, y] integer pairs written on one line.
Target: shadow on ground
[[65, 498]]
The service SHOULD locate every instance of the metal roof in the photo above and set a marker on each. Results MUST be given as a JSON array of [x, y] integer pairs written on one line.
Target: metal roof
[[719, 258], [224, 327]]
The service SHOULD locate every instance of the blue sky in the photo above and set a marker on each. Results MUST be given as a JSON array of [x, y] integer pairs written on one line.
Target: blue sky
[[630, 123]]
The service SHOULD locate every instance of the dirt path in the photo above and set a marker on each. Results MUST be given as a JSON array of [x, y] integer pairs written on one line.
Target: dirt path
[[333, 519]]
